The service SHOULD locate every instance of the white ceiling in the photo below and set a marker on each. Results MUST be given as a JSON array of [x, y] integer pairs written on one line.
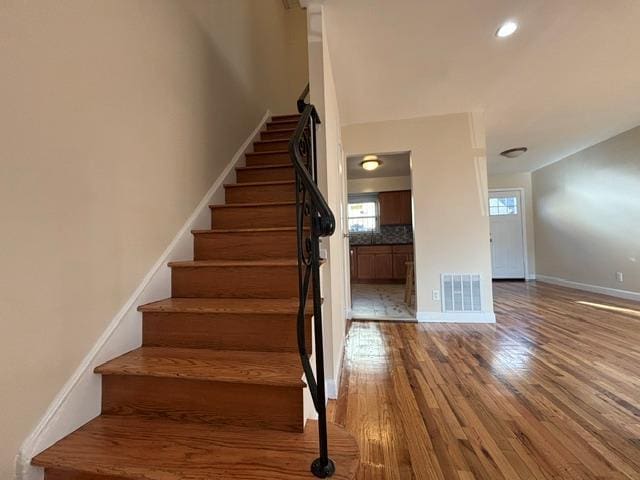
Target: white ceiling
[[568, 78], [393, 165]]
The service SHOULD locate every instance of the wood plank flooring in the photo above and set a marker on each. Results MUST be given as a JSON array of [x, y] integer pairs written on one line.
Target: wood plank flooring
[[552, 391]]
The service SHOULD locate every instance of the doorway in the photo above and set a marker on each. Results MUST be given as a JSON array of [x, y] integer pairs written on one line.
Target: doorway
[[506, 214], [380, 231]]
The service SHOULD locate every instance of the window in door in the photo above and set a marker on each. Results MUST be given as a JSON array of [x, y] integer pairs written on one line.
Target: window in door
[[503, 206], [363, 214]]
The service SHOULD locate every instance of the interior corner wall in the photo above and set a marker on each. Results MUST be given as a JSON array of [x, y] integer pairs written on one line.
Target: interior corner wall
[[587, 215], [117, 116], [449, 176], [521, 180]]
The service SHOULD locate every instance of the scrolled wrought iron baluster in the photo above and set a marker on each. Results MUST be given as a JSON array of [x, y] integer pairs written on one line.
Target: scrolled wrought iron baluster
[[312, 212]]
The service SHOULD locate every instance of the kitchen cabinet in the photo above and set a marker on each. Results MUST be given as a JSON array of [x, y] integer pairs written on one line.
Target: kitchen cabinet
[[401, 255], [380, 263], [365, 263], [353, 262], [395, 207], [374, 262], [383, 265]]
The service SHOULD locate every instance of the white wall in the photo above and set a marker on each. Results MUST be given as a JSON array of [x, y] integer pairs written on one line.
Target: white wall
[[331, 171], [587, 215], [379, 184], [521, 180], [448, 171], [117, 116]]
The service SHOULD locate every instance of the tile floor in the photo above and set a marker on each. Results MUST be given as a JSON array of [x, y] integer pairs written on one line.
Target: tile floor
[[380, 302]]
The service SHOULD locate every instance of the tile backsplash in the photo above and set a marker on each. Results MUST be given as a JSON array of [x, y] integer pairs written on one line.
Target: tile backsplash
[[388, 234]]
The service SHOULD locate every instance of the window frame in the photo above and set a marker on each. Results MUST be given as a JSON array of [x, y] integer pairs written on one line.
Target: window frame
[[502, 210], [364, 198]]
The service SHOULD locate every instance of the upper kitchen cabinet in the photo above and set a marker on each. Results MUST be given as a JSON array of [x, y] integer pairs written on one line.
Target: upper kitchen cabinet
[[395, 207]]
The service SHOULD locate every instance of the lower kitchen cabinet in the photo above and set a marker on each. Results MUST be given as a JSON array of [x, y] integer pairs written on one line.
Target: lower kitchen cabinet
[[380, 263], [383, 265], [401, 255], [366, 267]]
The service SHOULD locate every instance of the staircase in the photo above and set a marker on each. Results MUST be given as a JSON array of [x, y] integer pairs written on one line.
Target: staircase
[[216, 389]]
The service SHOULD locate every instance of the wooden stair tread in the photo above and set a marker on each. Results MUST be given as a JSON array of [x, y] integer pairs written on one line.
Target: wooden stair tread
[[272, 152], [284, 262], [260, 184], [284, 119], [229, 366], [286, 116], [262, 167], [247, 230], [274, 140], [145, 449], [280, 130], [251, 205], [224, 305]]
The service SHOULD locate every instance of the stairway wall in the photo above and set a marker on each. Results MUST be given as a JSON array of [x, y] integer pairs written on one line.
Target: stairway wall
[[117, 117]]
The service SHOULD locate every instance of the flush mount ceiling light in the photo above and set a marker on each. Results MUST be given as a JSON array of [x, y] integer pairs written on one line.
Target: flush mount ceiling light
[[507, 29], [514, 152], [370, 162]]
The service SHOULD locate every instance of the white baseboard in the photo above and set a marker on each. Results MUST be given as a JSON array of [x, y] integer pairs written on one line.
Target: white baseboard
[[80, 398], [613, 292], [333, 384], [531, 276], [332, 389], [456, 317]]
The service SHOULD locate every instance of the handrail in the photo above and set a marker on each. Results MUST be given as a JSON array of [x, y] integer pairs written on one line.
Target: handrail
[[302, 99], [312, 211]]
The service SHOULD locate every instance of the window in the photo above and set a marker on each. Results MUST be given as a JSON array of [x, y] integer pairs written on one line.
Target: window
[[503, 206], [363, 214]]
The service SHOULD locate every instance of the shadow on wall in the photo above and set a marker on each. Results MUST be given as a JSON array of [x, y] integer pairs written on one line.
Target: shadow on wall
[[276, 69]]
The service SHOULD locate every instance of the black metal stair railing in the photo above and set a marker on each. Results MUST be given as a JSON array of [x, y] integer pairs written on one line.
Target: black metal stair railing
[[314, 220]]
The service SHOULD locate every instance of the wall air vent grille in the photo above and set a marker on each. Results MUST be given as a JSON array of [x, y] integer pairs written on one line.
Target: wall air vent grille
[[461, 292]]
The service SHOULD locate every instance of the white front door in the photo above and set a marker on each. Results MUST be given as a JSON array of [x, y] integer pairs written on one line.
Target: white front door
[[507, 240]]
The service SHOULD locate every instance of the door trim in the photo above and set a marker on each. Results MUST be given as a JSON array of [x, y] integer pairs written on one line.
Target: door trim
[[523, 209]]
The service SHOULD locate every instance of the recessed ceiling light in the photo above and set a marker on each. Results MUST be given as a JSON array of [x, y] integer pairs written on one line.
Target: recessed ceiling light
[[370, 162], [514, 152], [507, 29]]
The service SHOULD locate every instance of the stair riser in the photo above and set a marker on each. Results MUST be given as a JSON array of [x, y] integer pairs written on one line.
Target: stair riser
[[260, 193], [55, 474], [254, 217], [271, 146], [235, 282], [282, 125], [275, 135], [269, 159], [245, 245], [185, 400], [265, 175], [258, 332]]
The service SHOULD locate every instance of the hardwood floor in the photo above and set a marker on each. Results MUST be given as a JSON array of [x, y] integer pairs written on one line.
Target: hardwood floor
[[552, 391]]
